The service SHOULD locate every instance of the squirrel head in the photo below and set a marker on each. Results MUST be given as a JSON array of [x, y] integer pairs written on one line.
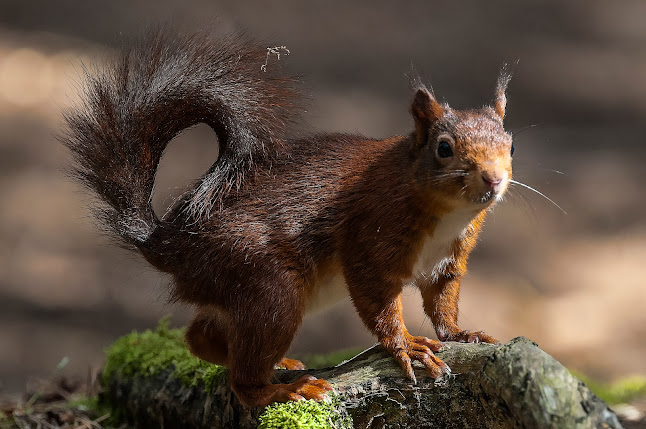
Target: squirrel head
[[462, 156]]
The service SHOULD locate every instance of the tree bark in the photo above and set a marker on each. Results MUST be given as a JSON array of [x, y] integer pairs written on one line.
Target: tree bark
[[491, 386]]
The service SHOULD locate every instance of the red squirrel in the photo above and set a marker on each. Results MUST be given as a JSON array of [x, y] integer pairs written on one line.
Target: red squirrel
[[277, 223]]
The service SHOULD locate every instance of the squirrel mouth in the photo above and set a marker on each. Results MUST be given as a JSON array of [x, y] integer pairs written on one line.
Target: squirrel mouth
[[487, 197], [490, 195]]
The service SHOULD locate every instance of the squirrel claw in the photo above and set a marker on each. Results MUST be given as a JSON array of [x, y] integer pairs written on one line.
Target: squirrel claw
[[444, 368], [434, 346], [420, 349]]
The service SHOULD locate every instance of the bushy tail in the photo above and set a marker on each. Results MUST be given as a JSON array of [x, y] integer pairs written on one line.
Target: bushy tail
[[159, 86]]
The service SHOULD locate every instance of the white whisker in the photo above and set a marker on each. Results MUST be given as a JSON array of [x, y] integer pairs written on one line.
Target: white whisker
[[528, 127], [538, 192], [441, 177], [521, 199]]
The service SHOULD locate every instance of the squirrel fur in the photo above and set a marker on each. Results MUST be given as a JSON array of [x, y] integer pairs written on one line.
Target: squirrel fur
[[276, 222]]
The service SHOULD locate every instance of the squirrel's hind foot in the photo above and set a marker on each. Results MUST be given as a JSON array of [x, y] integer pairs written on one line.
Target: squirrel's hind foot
[[306, 387], [292, 364]]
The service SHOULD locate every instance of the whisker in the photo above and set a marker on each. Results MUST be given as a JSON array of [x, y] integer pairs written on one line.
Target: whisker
[[438, 178], [451, 175], [522, 201], [539, 193], [550, 170], [525, 128]]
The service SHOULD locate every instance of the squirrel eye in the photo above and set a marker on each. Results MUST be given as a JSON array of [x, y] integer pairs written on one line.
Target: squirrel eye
[[512, 150], [444, 149]]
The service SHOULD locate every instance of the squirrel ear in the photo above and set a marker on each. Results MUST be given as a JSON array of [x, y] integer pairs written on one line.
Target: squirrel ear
[[425, 110], [500, 102]]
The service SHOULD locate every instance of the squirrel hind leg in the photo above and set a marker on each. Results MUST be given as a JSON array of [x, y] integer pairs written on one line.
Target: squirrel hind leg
[[206, 337], [261, 334]]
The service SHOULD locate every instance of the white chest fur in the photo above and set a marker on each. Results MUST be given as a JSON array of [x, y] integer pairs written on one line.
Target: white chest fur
[[435, 255], [437, 252]]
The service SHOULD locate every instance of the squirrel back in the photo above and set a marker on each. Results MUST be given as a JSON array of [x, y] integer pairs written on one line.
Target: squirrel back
[[162, 84]]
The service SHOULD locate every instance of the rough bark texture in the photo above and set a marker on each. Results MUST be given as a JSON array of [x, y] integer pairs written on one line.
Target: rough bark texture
[[507, 386]]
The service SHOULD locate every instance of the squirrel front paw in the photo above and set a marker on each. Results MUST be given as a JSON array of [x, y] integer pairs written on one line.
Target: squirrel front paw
[[467, 337], [420, 349]]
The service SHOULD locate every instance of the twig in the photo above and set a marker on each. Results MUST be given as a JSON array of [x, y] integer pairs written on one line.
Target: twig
[[276, 50]]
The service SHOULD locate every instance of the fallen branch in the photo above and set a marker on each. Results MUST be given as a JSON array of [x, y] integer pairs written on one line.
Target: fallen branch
[[507, 386]]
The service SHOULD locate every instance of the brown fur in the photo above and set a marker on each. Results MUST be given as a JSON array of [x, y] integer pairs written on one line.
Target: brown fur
[[255, 240]]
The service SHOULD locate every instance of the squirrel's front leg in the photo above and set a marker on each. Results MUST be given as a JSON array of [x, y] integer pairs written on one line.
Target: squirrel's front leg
[[380, 308], [441, 305]]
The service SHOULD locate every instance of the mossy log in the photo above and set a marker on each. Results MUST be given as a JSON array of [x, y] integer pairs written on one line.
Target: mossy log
[[491, 386]]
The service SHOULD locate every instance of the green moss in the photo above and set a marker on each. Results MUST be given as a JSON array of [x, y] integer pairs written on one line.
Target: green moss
[[620, 392], [151, 352], [305, 415]]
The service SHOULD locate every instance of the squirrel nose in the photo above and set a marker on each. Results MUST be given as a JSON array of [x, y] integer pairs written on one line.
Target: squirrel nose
[[492, 180]]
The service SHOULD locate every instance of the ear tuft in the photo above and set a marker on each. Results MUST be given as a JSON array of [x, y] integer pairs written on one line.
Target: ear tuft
[[425, 108], [500, 102]]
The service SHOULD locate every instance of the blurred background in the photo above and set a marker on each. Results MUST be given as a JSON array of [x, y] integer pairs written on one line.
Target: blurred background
[[574, 282]]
